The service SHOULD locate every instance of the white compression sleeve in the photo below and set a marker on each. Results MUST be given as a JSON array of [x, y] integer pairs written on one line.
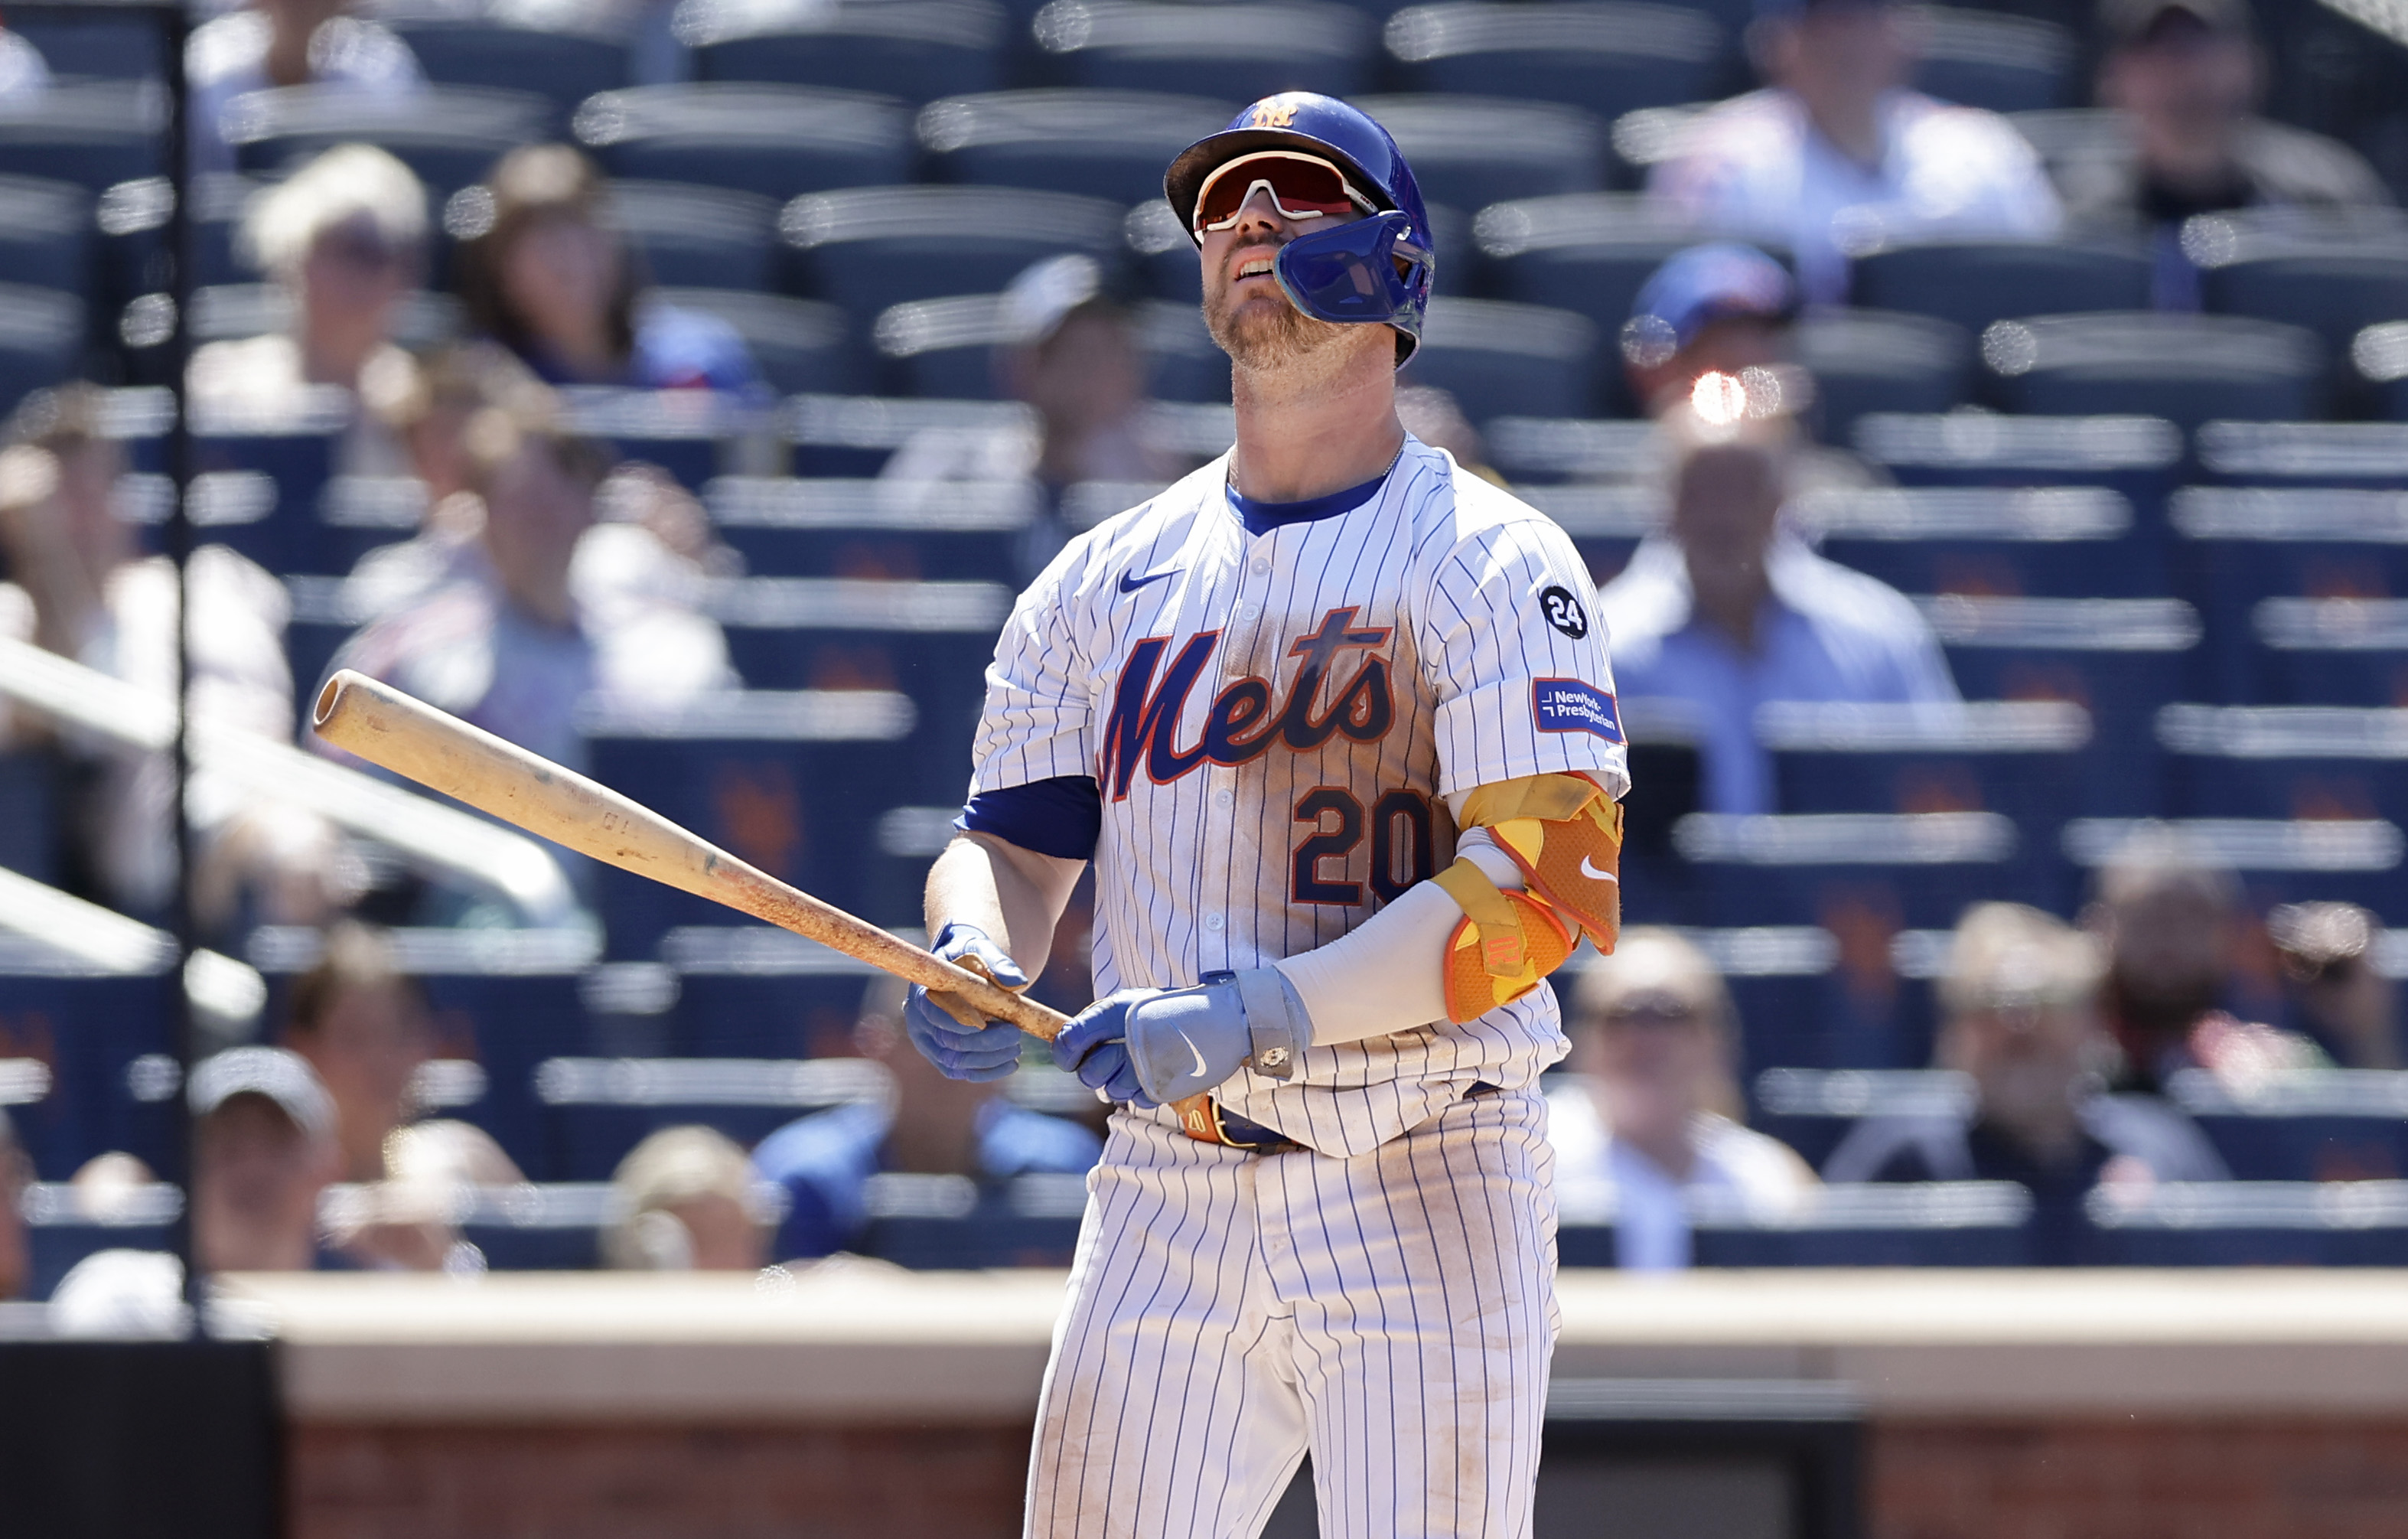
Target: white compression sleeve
[[1387, 975]]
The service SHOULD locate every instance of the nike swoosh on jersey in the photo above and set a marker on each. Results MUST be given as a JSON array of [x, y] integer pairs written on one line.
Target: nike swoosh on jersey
[[1193, 1048], [1130, 582], [1594, 875]]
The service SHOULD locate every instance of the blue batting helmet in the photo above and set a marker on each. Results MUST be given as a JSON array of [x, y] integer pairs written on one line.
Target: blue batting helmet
[[1367, 270]]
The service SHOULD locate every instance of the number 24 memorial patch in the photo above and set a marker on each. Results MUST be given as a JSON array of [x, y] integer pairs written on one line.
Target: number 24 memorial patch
[[1569, 705]]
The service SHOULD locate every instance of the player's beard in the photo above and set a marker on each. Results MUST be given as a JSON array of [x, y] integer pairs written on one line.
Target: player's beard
[[1261, 337]]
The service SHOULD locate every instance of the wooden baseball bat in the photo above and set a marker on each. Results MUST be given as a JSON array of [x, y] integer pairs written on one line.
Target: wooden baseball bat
[[439, 750]]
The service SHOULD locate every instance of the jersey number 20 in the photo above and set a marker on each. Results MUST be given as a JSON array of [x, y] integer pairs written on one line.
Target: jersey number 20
[[1400, 844]]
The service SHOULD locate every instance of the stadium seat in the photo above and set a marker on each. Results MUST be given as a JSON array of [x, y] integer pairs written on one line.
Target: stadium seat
[[2332, 278], [260, 480], [2047, 542], [1608, 58], [785, 526], [559, 58], [869, 248], [1539, 450], [550, 1226], [1606, 523], [1110, 144], [2291, 455], [2333, 763], [2279, 860], [1502, 359], [598, 1109], [773, 140], [2317, 1125], [1957, 1224], [2304, 582], [448, 135], [2188, 368], [690, 433], [945, 348], [1813, 1109], [89, 1025], [856, 435], [751, 991], [1974, 282], [1910, 869], [41, 340], [46, 229], [1868, 361], [95, 45], [31, 813], [2136, 458], [2251, 1224], [1234, 52], [2005, 64], [1471, 151], [356, 514], [62, 1227], [950, 1222], [799, 345], [694, 237], [918, 49], [2115, 657], [94, 134], [505, 1000], [786, 780]]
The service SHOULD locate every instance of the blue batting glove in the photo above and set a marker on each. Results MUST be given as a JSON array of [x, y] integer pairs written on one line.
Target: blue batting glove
[[936, 1024], [1152, 1046]]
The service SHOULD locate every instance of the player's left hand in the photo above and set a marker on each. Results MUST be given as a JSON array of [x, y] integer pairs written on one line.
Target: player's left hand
[[1152, 1046]]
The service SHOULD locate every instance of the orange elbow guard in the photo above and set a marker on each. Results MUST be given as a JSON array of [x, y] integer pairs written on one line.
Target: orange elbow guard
[[1505, 945], [1564, 833]]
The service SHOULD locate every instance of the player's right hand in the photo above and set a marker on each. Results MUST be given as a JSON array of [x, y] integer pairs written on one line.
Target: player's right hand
[[949, 1031]]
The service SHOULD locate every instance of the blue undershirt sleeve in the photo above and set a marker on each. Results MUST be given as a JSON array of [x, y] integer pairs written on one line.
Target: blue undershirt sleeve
[[1061, 817]]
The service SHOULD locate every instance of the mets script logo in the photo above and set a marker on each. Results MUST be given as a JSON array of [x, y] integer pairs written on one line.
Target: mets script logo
[[1274, 114], [1244, 720]]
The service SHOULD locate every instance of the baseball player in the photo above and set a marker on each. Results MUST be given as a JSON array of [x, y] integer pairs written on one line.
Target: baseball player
[[1334, 726]]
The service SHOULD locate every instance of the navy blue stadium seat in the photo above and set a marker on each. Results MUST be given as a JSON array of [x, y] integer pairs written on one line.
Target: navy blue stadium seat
[[690, 434], [870, 247], [850, 436], [1234, 53], [787, 781], [94, 134], [2332, 276], [46, 230], [2297, 455], [259, 484], [2118, 659], [1608, 58], [2279, 860], [946, 349], [1813, 1109], [1538, 451], [2188, 368], [2004, 64], [2135, 456], [776, 141], [692, 237], [2302, 582], [41, 340], [553, 1226], [2322, 1125], [356, 514], [62, 1229], [1878, 361], [1962, 1224], [1974, 282], [951, 1223], [1504, 359], [2328, 651], [799, 345], [2307, 762], [1606, 523], [786, 526], [596, 1110], [123, 46], [1472, 151], [450, 135], [101, 1037], [505, 1000], [917, 50], [2048, 541], [1110, 144], [747, 990], [31, 813], [2251, 1223], [562, 60]]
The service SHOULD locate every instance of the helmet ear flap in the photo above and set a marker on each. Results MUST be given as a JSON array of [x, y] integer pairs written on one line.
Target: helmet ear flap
[[1367, 271]]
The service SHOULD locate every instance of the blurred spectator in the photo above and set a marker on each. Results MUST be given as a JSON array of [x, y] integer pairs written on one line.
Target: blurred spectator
[[2022, 1025], [2186, 76], [2170, 920], [687, 1202], [504, 641], [1643, 1122], [1730, 609], [1719, 308], [285, 43], [16, 1264], [361, 1024], [83, 590], [2337, 986], [1836, 151], [1072, 355], [24, 75], [934, 1125], [542, 272], [345, 239], [1434, 416]]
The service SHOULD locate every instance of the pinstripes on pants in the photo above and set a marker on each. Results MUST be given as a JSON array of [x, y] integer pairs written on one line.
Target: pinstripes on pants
[[1392, 1312]]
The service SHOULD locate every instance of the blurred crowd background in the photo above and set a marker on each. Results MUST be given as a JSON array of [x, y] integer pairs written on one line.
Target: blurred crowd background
[[1988, 427]]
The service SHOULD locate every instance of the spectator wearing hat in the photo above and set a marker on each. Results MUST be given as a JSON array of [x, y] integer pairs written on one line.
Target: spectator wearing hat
[[932, 1125], [2184, 78], [1644, 1122], [1069, 349], [1721, 309], [1837, 150], [1728, 609], [543, 273], [269, 43], [2020, 1001], [2336, 984], [687, 1201]]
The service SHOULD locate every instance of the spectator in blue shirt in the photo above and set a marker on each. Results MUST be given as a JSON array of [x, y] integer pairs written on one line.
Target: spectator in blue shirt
[[542, 273], [934, 1125], [1728, 609]]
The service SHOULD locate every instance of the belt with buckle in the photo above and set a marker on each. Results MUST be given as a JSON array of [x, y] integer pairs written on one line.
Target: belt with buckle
[[1207, 1121]]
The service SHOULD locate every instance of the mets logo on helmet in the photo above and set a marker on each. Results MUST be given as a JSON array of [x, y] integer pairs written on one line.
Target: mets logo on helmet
[[1274, 114]]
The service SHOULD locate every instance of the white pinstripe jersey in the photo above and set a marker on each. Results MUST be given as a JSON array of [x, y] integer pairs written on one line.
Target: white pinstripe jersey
[[1273, 719]]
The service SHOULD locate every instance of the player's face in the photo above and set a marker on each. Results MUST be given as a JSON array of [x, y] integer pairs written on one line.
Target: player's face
[[1247, 313]]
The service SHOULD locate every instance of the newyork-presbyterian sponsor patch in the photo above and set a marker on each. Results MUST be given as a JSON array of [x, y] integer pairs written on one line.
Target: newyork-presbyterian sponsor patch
[[1569, 705]]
